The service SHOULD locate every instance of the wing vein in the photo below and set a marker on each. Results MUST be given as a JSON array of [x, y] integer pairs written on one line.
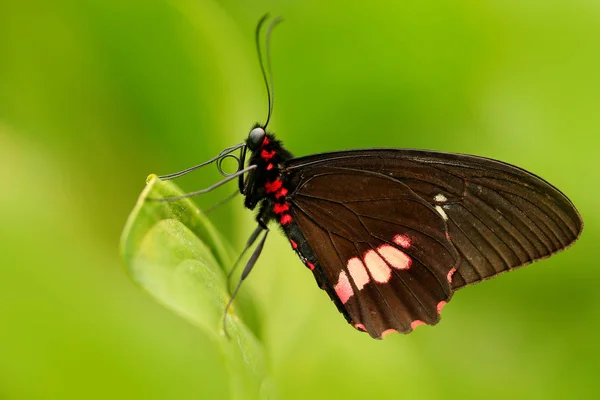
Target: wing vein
[[548, 249], [490, 243], [465, 257], [508, 232]]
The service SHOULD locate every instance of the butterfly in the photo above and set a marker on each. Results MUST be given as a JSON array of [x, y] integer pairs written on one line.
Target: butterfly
[[391, 234]]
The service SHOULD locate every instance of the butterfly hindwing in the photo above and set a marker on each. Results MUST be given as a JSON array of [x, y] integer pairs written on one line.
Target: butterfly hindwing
[[381, 249]]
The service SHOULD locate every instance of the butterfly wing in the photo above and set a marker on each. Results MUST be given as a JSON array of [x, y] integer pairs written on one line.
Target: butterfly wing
[[456, 219], [376, 246]]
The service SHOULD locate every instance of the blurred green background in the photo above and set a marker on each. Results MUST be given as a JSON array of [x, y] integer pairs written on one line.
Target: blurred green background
[[95, 95]]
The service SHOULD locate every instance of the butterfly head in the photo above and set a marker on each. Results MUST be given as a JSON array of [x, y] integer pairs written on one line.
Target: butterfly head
[[256, 138]]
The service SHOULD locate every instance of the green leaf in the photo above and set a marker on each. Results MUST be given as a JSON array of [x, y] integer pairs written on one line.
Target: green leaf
[[173, 252]]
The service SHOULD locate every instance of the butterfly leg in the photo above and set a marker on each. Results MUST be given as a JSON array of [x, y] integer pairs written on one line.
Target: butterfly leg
[[262, 218], [246, 271], [249, 243]]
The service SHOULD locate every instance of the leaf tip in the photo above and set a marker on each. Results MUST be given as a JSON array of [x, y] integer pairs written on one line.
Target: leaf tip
[[151, 178]]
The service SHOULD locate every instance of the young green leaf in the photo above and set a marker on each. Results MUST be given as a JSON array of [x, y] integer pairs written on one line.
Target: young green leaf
[[173, 252]]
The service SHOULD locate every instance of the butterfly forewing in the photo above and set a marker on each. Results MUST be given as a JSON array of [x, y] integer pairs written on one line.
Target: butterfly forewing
[[458, 219]]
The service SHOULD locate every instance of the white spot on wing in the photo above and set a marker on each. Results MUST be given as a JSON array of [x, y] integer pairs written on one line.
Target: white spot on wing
[[441, 211], [358, 272], [440, 198], [402, 241], [396, 258], [378, 268], [343, 288]]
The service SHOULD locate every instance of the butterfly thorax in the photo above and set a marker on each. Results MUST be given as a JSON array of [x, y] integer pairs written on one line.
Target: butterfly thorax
[[266, 185]]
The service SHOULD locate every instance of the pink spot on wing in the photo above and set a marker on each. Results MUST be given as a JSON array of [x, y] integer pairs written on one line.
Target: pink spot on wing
[[281, 192], [440, 305], [269, 167], [416, 323], [272, 187], [285, 219], [358, 272], [267, 155], [378, 268], [396, 258], [447, 236], [281, 208], [360, 327], [343, 288], [294, 245], [387, 332], [450, 273], [402, 241], [310, 265]]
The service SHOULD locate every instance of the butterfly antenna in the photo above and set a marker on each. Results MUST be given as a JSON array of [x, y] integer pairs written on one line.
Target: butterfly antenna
[[245, 273], [266, 72]]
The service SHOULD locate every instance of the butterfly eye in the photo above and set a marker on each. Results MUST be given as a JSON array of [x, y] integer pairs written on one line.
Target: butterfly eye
[[255, 138]]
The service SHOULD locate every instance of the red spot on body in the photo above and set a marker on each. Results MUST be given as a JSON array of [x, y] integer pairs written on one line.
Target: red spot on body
[[285, 219], [440, 305], [402, 241], [267, 155], [360, 327], [396, 258], [378, 268], [358, 272], [282, 192], [343, 288], [272, 187], [269, 167], [416, 323], [265, 141], [387, 332], [310, 265], [450, 273], [294, 245], [281, 208]]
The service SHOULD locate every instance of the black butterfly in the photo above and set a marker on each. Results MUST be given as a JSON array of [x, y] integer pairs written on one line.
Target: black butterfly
[[390, 234]]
